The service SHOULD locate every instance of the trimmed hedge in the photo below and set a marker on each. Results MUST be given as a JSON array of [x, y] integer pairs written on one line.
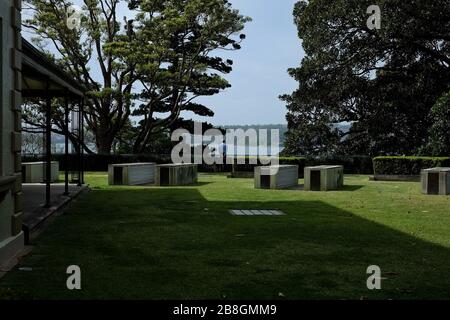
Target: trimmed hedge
[[355, 164], [407, 165], [100, 162], [352, 164], [210, 168], [249, 167]]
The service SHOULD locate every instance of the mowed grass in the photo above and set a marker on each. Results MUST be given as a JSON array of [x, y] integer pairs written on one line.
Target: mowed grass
[[181, 243]]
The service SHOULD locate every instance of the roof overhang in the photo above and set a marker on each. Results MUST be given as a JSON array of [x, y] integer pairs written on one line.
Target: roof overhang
[[41, 77]]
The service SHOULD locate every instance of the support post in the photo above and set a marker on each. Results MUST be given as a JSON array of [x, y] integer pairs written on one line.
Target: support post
[[80, 157], [66, 146], [48, 145], [82, 141]]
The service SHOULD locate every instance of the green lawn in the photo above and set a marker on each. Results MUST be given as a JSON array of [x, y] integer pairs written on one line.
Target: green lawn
[[181, 243]]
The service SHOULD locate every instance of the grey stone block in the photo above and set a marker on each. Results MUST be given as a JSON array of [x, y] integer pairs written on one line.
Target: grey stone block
[[324, 178], [436, 181], [131, 173], [176, 174], [35, 172], [276, 177]]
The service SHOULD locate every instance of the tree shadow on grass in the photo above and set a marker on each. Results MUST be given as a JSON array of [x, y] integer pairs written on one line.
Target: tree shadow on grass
[[175, 244], [197, 184], [301, 187]]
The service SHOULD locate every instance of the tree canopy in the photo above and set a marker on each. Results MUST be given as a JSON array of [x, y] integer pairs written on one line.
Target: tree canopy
[[81, 52], [149, 67], [382, 82], [173, 49]]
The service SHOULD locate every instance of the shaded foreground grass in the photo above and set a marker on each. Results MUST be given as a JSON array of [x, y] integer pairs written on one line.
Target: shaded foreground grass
[[181, 243]]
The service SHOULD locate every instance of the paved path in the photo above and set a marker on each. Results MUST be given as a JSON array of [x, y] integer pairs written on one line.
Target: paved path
[[34, 200]]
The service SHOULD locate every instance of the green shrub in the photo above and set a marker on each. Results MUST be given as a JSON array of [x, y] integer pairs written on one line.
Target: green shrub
[[406, 165]]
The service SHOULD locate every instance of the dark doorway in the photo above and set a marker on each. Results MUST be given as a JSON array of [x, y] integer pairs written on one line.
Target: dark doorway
[[433, 183], [265, 182], [315, 180], [24, 173], [164, 176], [118, 175]]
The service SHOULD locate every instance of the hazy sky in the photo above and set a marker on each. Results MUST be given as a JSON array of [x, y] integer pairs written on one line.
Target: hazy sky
[[260, 68]]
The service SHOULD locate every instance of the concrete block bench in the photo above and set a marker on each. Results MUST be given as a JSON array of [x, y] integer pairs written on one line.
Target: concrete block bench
[[35, 172], [436, 181], [276, 177], [324, 178], [131, 173], [176, 174]]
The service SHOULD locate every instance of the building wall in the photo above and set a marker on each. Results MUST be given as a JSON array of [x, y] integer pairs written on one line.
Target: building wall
[[11, 236]]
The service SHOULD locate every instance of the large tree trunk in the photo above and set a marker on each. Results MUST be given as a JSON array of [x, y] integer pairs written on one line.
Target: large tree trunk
[[104, 143], [104, 137], [139, 143], [138, 148]]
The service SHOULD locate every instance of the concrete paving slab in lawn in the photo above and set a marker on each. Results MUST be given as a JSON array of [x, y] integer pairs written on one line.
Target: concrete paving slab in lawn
[[257, 213]]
